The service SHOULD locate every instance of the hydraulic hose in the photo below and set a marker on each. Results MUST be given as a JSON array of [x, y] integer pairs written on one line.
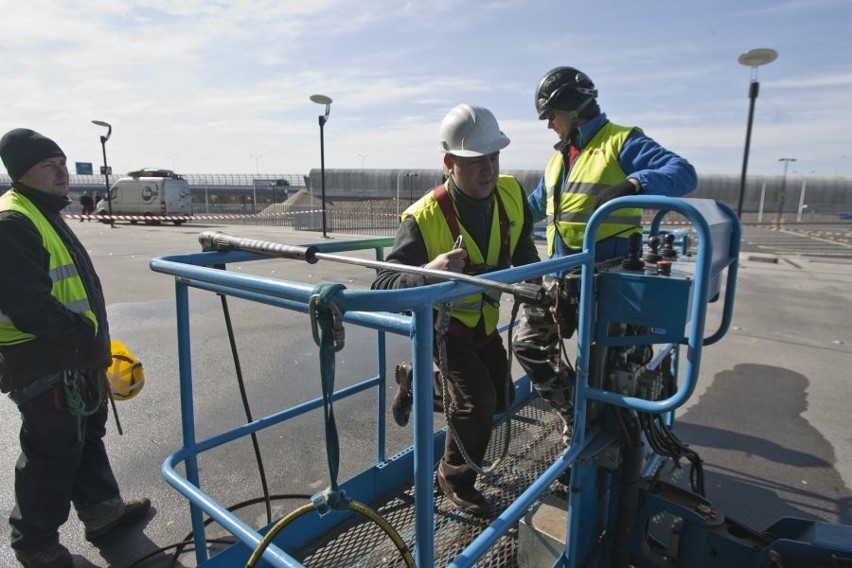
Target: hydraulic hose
[[353, 505]]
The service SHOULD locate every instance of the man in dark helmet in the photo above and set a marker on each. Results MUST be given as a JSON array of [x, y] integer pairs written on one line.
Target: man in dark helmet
[[595, 161]]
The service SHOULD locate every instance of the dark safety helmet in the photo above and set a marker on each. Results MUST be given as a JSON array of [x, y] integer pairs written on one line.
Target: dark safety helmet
[[564, 89]]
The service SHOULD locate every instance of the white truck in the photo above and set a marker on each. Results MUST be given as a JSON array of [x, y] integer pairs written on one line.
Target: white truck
[[158, 194]]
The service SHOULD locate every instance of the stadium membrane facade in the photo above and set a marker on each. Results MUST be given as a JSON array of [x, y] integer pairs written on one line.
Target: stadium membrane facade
[[811, 195]]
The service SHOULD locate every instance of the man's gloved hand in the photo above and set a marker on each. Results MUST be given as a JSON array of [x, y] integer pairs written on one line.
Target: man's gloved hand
[[622, 189]]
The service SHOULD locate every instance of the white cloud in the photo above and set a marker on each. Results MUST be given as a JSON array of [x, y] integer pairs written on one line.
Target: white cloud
[[208, 84]]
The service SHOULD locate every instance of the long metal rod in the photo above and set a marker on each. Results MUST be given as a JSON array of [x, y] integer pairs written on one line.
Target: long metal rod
[[218, 241]]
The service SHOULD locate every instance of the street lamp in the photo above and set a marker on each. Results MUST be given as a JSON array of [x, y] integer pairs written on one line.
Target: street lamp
[[105, 169], [363, 157], [411, 176], [323, 118], [753, 58], [782, 197]]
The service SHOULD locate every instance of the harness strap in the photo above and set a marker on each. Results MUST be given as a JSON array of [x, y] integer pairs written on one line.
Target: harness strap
[[442, 196], [39, 386], [328, 316]]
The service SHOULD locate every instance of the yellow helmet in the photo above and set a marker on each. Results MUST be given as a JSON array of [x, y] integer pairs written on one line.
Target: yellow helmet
[[126, 375]]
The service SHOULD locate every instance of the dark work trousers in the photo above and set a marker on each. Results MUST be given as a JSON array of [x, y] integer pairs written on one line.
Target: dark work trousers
[[477, 387], [56, 469]]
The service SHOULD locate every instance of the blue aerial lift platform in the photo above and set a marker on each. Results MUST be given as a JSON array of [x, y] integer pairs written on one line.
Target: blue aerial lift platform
[[618, 508]]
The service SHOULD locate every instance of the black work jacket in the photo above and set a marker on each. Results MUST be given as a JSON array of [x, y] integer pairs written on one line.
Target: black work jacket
[[64, 340]]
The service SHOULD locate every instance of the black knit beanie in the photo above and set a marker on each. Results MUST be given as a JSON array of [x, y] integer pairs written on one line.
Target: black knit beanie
[[23, 148]]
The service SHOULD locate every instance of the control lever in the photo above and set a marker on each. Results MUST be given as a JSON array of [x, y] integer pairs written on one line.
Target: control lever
[[633, 262], [668, 251], [653, 254]]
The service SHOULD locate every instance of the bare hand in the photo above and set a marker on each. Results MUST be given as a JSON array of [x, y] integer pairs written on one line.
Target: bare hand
[[451, 261]]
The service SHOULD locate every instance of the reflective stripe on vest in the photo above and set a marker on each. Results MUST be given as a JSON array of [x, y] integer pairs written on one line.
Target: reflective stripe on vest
[[438, 238], [594, 169], [67, 286]]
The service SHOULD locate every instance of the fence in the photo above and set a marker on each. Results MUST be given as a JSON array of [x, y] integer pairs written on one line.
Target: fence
[[812, 235]]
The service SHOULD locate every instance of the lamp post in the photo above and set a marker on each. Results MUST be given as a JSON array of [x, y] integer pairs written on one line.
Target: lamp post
[[105, 169], [753, 58], [802, 194], [257, 158], [323, 118], [411, 176], [363, 157], [398, 175], [782, 197]]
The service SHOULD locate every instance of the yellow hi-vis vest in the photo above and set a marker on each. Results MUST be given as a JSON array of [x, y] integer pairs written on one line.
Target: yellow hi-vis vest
[[595, 168], [439, 239], [67, 285]]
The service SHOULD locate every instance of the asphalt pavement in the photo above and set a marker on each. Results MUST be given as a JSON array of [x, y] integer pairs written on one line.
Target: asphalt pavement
[[769, 416]]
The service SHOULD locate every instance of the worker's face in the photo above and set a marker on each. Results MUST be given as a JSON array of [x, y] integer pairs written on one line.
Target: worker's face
[[49, 176], [476, 177], [560, 123]]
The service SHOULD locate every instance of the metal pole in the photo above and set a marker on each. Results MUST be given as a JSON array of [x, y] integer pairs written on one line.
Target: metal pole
[[762, 199], [219, 241], [782, 197], [257, 158], [398, 174], [754, 87], [322, 172], [802, 199], [106, 182]]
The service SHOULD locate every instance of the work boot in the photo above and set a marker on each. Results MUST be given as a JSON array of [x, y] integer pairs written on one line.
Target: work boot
[[404, 400], [470, 500], [53, 556], [133, 511]]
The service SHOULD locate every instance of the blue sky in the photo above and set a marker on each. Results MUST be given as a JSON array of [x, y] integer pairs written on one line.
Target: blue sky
[[222, 85]]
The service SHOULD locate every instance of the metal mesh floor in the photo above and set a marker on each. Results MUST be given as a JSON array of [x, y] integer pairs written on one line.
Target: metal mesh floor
[[536, 441]]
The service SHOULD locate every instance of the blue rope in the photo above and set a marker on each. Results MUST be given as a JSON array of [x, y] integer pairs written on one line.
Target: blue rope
[[332, 498]]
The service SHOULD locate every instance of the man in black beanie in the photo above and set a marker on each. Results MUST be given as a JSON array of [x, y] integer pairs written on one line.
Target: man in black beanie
[[54, 350]]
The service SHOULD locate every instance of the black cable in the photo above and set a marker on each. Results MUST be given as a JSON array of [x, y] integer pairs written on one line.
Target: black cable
[[241, 383], [664, 442], [697, 470], [159, 551]]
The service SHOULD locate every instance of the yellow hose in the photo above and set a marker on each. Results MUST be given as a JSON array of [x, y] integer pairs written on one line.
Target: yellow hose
[[355, 506]]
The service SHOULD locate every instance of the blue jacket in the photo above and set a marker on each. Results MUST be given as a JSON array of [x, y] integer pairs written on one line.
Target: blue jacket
[[660, 171]]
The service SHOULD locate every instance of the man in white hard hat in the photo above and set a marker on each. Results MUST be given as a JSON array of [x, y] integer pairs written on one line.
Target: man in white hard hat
[[489, 212], [54, 349]]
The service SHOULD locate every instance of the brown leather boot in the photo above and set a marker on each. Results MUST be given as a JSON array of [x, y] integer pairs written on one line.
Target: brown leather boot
[[404, 399]]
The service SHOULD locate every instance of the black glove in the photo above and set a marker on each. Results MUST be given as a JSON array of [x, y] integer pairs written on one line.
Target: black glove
[[622, 189]]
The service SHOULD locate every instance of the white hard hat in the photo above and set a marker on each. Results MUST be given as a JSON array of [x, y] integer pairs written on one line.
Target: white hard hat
[[470, 131]]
